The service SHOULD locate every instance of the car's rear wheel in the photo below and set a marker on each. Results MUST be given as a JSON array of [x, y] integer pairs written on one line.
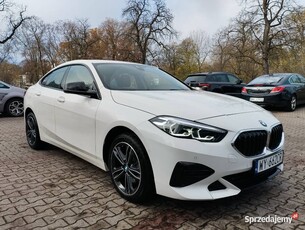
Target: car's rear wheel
[[130, 169], [14, 107], [32, 131], [292, 103]]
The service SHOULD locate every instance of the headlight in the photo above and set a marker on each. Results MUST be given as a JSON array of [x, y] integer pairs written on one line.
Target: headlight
[[182, 128]]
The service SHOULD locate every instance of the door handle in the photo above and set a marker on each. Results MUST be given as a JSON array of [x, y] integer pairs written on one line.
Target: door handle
[[61, 99], [38, 93]]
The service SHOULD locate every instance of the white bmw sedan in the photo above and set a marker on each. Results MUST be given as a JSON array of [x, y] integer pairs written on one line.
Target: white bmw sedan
[[153, 133]]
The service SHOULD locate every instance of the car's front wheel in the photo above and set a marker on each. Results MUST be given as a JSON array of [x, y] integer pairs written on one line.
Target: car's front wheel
[[130, 169], [14, 107], [32, 131]]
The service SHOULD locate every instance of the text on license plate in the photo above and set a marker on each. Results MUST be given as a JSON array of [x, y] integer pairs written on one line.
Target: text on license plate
[[257, 99], [268, 162]]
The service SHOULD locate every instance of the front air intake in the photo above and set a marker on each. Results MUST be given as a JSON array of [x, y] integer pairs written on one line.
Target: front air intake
[[187, 173]]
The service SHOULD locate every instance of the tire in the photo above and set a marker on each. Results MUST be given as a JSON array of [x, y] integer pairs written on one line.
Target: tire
[[32, 132], [130, 169], [292, 103], [14, 107]]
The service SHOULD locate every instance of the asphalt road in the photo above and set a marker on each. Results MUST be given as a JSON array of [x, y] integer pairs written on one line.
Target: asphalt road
[[52, 189]]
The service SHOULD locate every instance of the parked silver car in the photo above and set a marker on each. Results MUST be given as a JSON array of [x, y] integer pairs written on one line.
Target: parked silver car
[[11, 100]]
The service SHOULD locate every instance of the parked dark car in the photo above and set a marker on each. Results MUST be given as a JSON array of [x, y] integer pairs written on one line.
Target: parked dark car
[[219, 82], [11, 100], [285, 90]]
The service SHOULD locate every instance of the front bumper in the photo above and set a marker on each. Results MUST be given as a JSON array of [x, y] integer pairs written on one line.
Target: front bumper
[[229, 167]]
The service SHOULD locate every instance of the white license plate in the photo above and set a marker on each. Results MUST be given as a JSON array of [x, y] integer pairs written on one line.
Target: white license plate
[[257, 99], [266, 163]]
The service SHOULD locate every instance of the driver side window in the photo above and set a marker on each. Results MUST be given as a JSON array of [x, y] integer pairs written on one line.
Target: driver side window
[[80, 74]]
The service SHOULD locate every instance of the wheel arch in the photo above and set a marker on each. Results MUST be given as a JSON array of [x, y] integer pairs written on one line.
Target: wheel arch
[[115, 131], [27, 111], [12, 98]]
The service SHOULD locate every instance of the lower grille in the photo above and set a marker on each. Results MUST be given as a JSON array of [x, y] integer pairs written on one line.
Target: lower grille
[[248, 179], [251, 143]]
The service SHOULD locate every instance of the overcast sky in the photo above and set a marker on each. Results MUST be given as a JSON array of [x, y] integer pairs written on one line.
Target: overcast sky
[[189, 15]]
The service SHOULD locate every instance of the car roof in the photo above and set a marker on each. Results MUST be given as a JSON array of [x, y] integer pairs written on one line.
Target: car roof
[[207, 73], [93, 61], [278, 75]]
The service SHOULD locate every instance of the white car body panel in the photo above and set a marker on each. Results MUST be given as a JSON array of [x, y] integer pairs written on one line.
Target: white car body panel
[[80, 124], [183, 103]]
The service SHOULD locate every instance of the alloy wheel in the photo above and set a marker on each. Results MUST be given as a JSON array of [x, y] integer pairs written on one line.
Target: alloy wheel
[[293, 103], [126, 168], [31, 132], [15, 108]]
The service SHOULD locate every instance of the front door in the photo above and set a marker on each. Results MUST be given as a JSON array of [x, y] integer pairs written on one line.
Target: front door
[[75, 114]]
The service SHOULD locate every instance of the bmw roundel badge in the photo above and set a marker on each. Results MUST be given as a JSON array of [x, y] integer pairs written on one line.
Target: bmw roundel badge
[[263, 123]]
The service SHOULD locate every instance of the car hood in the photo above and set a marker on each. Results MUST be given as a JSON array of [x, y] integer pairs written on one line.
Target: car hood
[[192, 105]]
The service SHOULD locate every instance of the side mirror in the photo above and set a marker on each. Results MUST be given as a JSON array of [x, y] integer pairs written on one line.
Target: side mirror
[[81, 89], [77, 86], [239, 81]]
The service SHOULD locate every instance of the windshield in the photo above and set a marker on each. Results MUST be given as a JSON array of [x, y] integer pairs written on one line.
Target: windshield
[[266, 80], [121, 76]]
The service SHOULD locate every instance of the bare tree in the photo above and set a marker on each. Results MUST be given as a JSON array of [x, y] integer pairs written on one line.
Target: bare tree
[[150, 24], [33, 41], [51, 44], [267, 17], [76, 39], [9, 21], [203, 47], [117, 43], [220, 50]]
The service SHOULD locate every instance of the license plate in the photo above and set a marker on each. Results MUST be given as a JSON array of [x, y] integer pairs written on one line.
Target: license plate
[[257, 99], [268, 162]]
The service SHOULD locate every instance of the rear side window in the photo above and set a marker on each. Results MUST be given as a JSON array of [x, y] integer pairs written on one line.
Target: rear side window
[[294, 79], [54, 79]]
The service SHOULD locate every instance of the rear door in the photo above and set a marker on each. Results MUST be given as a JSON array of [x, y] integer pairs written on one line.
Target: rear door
[[44, 96]]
